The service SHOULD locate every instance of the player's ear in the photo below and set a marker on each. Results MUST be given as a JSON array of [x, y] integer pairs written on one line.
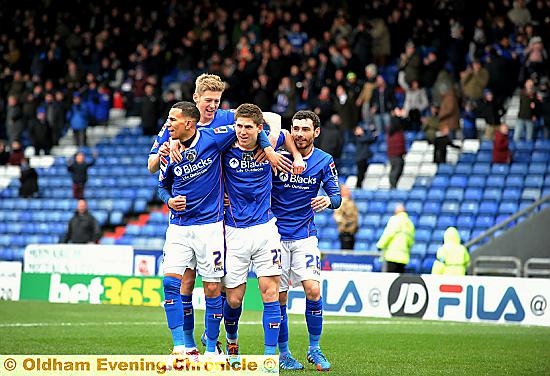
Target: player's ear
[[195, 98], [316, 132], [260, 128]]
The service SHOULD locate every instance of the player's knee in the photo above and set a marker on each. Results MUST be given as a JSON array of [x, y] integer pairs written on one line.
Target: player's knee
[[188, 283], [171, 285], [313, 291], [283, 297], [212, 289], [270, 295], [234, 301]]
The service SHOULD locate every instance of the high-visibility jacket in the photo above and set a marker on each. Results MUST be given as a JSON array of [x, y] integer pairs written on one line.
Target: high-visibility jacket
[[397, 239], [452, 257]]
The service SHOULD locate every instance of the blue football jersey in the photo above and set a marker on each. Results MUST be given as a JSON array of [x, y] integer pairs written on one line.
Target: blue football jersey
[[291, 195], [248, 186], [198, 177], [221, 117]]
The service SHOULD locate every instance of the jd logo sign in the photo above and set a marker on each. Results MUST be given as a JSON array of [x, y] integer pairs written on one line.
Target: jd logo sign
[[408, 296]]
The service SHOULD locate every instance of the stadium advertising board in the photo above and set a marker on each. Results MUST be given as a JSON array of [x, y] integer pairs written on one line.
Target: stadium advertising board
[[10, 280], [119, 290], [431, 297], [79, 259]]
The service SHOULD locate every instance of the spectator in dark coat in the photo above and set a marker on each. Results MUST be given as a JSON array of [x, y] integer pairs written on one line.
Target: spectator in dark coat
[[78, 168], [365, 135], [331, 139], [150, 112], [344, 106], [4, 154], [16, 154], [41, 132], [396, 149], [14, 119], [29, 180], [83, 227], [501, 149], [491, 111], [78, 120]]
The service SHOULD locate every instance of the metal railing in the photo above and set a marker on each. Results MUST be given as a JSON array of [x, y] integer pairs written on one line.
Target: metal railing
[[490, 232], [537, 267], [497, 266]]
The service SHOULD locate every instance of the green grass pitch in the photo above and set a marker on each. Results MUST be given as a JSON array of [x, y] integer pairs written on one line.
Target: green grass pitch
[[354, 346]]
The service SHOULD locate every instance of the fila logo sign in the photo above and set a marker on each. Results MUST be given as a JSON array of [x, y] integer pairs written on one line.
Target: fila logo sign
[[509, 306], [348, 300]]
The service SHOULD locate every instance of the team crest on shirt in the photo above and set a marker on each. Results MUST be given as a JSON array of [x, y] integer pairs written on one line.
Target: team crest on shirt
[[191, 155], [222, 129], [234, 162], [283, 176], [178, 171], [248, 156]]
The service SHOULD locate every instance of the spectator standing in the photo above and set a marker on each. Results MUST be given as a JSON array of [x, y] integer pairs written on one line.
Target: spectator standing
[[490, 110], [14, 119], [4, 154], [347, 219], [396, 150], [363, 100], [442, 140], [397, 240], [527, 112], [16, 154], [344, 106], [41, 132], [452, 257], [150, 111], [365, 135], [449, 113], [78, 120], [430, 124], [501, 147], [83, 227], [56, 115], [469, 128], [382, 103], [473, 81], [331, 139], [78, 168], [29, 180]]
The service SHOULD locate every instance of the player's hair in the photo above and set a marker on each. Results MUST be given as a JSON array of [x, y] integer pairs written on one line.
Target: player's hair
[[208, 82], [251, 111], [307, 114], [188, 110]]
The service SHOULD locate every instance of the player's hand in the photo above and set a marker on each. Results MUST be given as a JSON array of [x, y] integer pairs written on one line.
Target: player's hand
[[320, 203], [260, 156], [278, 161], [177, 203], [175, 152], [298, 165], [164, 149]]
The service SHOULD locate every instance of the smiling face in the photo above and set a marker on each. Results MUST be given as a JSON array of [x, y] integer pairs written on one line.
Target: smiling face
[[304, 133], [207, 103], [247, 132]]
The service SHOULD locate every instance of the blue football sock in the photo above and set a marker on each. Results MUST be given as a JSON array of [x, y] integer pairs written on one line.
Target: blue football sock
[[271, 320], [173, 309], [188, 321], [314, 321], [283, 332], [231, 320], [213, 318]]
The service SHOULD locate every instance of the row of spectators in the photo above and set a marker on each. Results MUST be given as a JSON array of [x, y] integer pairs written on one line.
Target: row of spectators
[[66, 64]]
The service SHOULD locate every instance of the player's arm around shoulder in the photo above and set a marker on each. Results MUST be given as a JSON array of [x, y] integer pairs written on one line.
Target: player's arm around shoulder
[[298, 164]]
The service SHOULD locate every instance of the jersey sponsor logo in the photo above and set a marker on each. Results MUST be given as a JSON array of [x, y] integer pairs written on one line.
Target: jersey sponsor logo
[[202, 163], [333, 170], [234, 163], [177, 171], [283, 176], [291, 178], [221, 129], [191, 155]]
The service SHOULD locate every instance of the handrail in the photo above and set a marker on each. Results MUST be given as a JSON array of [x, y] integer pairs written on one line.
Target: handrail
[[542, 271], [514, 263], [508, 220]]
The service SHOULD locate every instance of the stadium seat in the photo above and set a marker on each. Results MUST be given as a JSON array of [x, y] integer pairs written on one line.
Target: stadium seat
[[450, 207], [418, 194], [436, 194], [511, 194], [454, 194], [445, 221], [473, 193], [362, 206], [534, 181], [432, 207], [365, 235], [484, 221], [495, 181], [492, 194], [371, 220], [444, 169], [419, 250], [488, 207], [423, 236], [508, 207], [427, 264], [458, 181], [514, 181], [427, 221], [477, 181], [469, 207], [481, 168], [537, 168], [413, 266], [463, 168]]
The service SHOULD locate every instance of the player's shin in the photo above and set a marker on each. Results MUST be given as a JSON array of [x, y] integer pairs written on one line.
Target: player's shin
[[283, 332], [272, 322], [213, 318], [231, 318], [174, 311], [314, 321], [188, 321]]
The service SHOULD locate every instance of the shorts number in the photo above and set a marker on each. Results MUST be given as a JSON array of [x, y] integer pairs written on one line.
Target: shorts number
[[310, 259], [276, 256], [218, 257]]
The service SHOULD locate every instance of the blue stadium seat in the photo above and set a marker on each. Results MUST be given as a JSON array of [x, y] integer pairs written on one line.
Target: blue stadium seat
[[484, 221], [371, 220], [440, 182], [325, 245], [363, 246], [382, 194], [427, 221], [437, 236], [445, 221], [458, 181], [432, 249], [476, 181], [488, 207], [362, 206], [432, 207], [365, 235], [473, 193], [436, 194], [531, 194], [419, 249], [539, 156], [508, 207], [465, 222], [481, 168], [500, 169], [444, 169], [413, 266], [469, 207], [454, 194], [519, 168], [116, 218], [537, 168], [464, 169], [514, 181], [467, 157], [362, 195], [414, 207], [450, 207], [423, 236], [427, 264], [492, 194], [484, 156], [464, 235], [418, 194], [376, 206], [511, 194], [534, 181], [495, 181]]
